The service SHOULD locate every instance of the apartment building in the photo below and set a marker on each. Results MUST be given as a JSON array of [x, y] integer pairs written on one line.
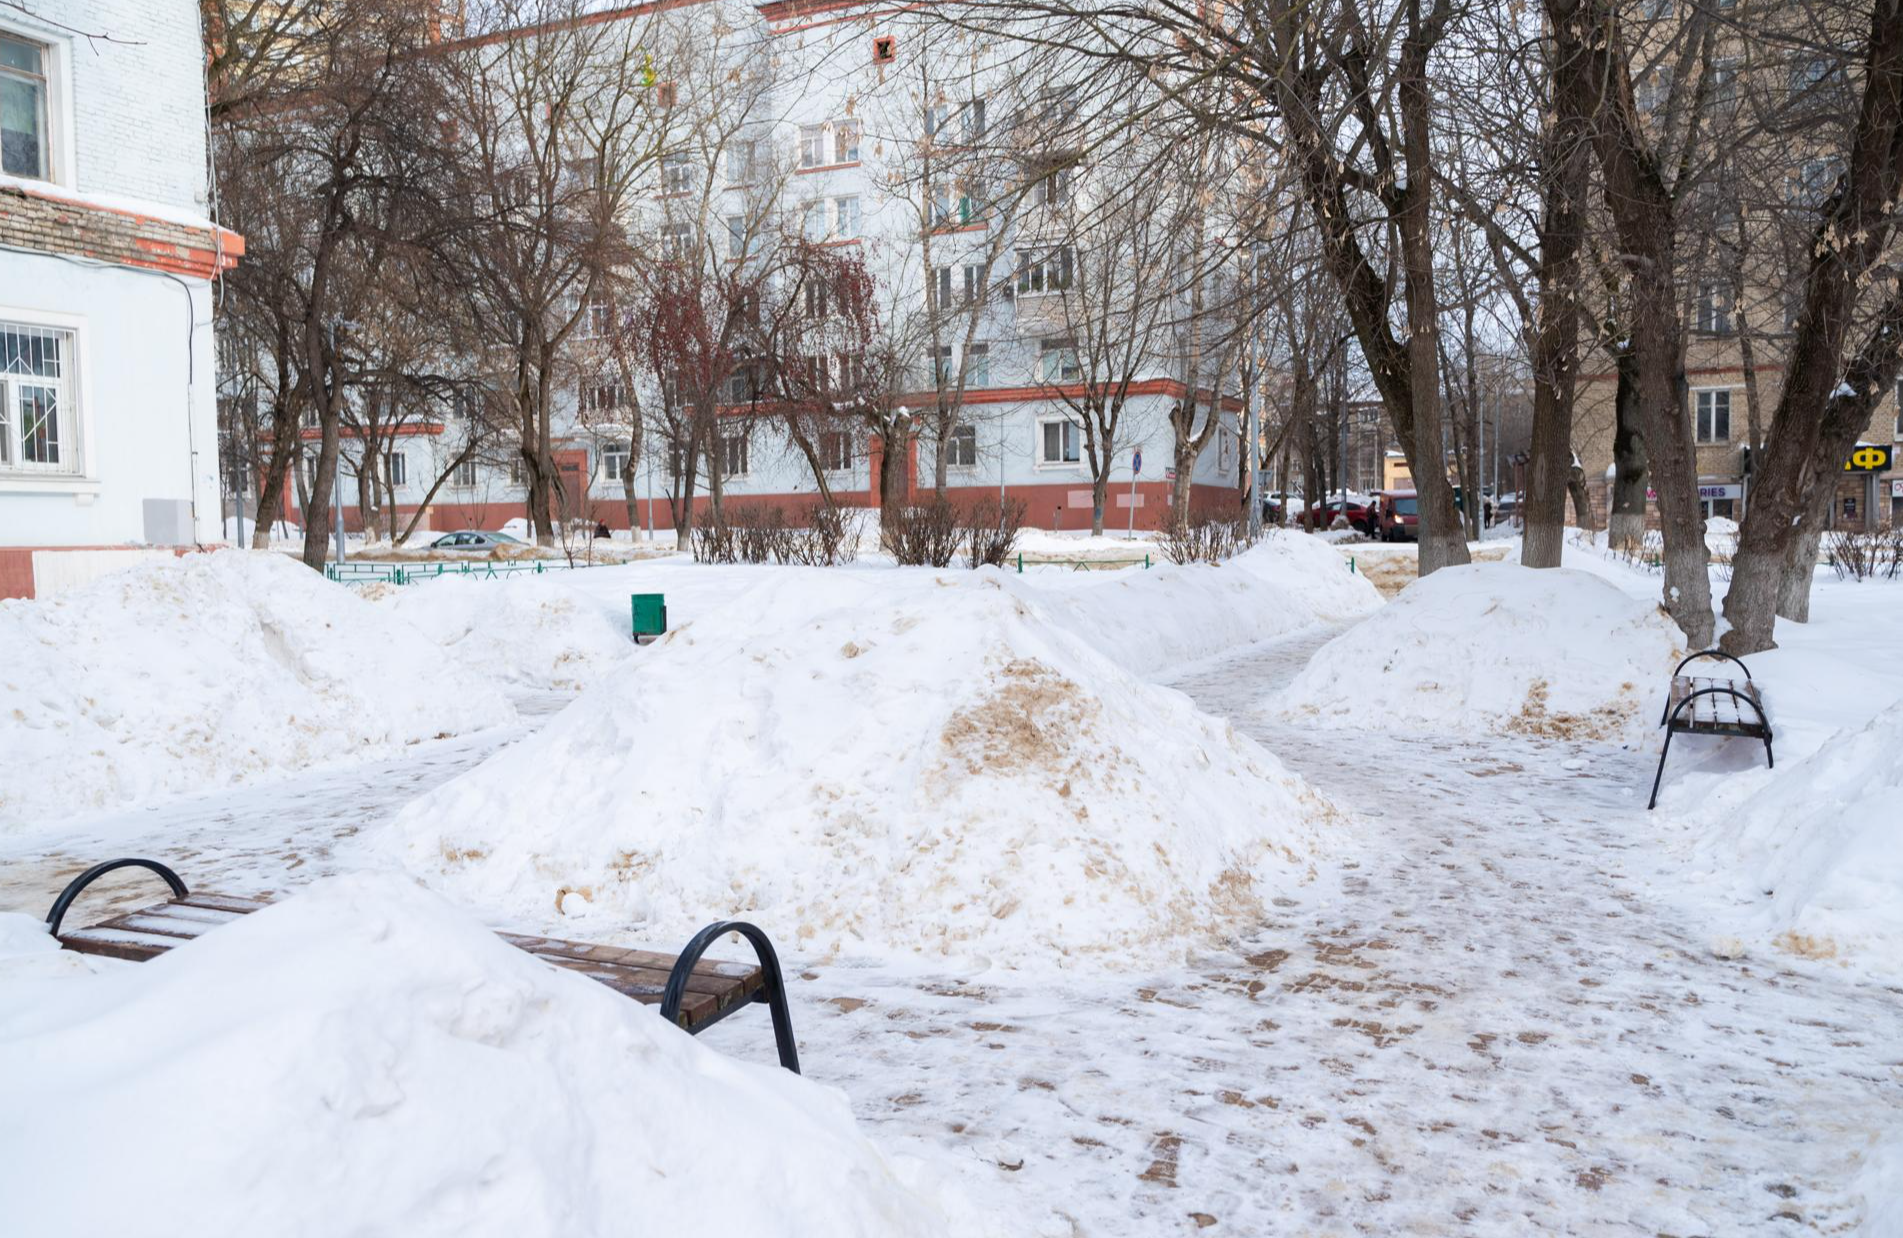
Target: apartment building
[[1763, 116], [857, 93], [108, 426]]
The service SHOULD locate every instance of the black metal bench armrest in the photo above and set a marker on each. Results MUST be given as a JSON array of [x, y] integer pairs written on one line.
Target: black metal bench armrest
[[1712, 653], [79, 883], [772, 992]]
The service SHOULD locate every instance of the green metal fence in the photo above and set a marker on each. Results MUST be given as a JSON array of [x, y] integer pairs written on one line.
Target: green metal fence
[[354, 573]]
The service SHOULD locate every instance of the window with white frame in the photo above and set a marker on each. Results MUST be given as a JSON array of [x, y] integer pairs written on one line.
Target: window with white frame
[[614, 461], [943, 372], [677, 173], [39, 414], [463, 475], [733, 455], [1654, 89], [677, 240], [845, 141], [937, 118], [813, 220], [1713, 415], [736, 236], [972, 120], [835, 451], [25, 104], [1058, 441], [739, 163], [1047, 270], [961, 449], [1052, 189], [971, 199], [845, 217], [1057, 361], [812, 146], [396, 468], [941, 205]]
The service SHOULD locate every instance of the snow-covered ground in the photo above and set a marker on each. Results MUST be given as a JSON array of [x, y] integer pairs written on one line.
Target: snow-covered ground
[[1507, 1001]]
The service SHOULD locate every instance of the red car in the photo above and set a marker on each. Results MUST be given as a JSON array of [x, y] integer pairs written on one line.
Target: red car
[[1397, 516], [1322, 516]]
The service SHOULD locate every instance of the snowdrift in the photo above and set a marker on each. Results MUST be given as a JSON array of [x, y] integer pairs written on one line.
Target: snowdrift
[[1496, 647], [529, 633], [363, 1059], [1159, 619], [191, 674], [1807, 857], [878, 762]]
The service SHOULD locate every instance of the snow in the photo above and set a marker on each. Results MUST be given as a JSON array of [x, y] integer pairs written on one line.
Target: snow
[[528, 632], [880, 763], [1494, 648], [185, 674], [1169, 616], [362, 1058]]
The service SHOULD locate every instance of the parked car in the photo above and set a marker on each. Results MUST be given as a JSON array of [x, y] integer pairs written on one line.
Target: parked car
[[1322, 516], [1397, 516], [473, 539]]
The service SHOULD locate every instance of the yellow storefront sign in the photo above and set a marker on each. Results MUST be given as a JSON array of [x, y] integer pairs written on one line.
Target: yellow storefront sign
[[1868, 459]]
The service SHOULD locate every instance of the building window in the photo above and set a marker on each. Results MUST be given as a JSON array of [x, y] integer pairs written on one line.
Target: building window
[[736, 236], [971, 200], [614, 461], [943, 374], [743, 385], [23, 109], [1714, 415], [973, 117], [733, 455], [835, 451], [1057, 361], [812, 146], [1714, 308], [1811, 74], [1045, 271], [977, 364], [463, 475], [38, 422], [1812, 182], [961, 449], [677, 174], [396, 468], [677, 240], [601, 397], [1052, 189], [845, 218], [1057, 442], [739, 163], [1653, 89], [846, 141], [885, 49]]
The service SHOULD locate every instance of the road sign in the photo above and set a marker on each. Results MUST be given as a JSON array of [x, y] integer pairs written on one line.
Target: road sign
[[1136, 462], [1868, 458]]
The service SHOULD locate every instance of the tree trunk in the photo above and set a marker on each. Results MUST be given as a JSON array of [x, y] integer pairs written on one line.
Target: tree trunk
[[1582, 498], [1631, 472], [1555, 346]]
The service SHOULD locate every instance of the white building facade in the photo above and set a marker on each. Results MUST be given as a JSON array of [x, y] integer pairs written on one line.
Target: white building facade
[[108, 424], [835, 145]]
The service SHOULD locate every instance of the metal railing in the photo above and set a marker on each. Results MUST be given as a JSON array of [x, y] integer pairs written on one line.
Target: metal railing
[[1082, 565], [358, 573]]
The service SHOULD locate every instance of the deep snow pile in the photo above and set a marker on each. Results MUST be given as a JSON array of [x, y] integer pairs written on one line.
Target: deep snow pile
[[1809, 856], [1155, 620], [532, 632], [892, 761], [363, 1059], [1495, 647], [189, 674]]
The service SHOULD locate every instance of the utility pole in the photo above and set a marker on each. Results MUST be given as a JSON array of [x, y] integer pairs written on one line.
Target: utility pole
[[337, 502]]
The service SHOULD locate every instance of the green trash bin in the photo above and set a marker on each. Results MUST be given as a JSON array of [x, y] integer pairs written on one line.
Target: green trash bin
[[650, 614]]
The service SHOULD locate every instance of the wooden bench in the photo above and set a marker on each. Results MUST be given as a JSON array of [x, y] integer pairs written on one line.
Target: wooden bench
[[691, 992], [1699, 705]]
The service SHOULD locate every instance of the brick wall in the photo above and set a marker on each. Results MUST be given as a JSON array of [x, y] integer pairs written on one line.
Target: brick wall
[[35, 220]]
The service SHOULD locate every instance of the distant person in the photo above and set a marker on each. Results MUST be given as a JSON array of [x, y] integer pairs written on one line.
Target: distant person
[[601, 529]]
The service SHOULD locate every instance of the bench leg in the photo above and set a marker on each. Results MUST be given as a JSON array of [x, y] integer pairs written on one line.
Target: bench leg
[[1660, 776], [773, 992], [1770, 762]]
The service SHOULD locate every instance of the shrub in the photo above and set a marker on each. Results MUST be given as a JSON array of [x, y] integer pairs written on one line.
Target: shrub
[[1206, 536], [922, 534], [1864, 554], [989, 531]]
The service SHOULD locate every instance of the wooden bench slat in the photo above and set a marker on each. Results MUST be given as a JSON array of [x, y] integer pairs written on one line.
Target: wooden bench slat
[[713, 987]]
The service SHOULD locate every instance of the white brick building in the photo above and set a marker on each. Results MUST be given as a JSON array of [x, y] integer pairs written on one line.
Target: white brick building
[[108, 431]]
